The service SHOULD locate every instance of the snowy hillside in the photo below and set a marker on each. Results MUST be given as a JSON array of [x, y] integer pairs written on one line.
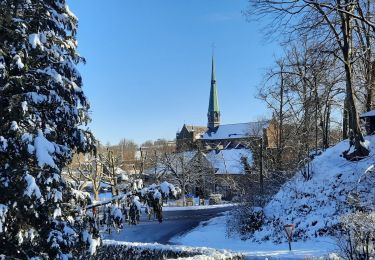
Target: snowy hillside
[[314, 206]]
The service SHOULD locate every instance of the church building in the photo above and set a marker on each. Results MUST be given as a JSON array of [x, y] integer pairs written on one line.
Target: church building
[[217, 136]]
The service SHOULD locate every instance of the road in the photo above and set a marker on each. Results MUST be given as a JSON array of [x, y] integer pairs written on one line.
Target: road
[[174, 223]]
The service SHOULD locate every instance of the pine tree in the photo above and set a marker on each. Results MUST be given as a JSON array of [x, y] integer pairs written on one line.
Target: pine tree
[[42, 110]]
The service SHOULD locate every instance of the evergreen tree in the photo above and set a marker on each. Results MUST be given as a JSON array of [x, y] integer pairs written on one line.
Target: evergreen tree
[[42, 110]]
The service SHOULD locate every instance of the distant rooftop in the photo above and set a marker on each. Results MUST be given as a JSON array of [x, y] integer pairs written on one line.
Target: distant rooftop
[[232, 131]]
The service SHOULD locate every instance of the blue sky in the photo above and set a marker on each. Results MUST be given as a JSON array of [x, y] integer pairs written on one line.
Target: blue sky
[[148, 64]]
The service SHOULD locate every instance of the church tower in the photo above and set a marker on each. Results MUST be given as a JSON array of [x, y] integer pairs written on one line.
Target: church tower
[[213, 107]]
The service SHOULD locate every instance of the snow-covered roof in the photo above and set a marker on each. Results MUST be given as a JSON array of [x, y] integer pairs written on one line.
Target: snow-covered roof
[[369, 113], [230, 161], [232, 131]]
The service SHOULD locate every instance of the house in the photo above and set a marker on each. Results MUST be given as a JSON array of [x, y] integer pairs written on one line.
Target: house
[[368, 122], [204, 173]]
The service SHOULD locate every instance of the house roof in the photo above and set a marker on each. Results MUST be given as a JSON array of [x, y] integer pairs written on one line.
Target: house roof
[[368, 114], [232, 131], [230, 161]]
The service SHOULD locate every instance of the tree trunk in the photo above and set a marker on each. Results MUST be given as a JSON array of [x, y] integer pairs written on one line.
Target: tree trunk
[[355, 131], [345, 120], [280, 130]]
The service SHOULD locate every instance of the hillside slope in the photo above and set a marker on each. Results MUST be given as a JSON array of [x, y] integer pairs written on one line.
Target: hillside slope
[[314, 206]]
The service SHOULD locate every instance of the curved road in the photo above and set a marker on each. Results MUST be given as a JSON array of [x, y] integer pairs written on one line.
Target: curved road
[[174, 223]]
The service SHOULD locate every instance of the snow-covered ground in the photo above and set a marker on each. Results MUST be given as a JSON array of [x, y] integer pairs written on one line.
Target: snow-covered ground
[[313, 205], [212, 234]]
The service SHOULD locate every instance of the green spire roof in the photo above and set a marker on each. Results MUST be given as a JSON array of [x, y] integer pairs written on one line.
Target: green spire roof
[[214, 100]]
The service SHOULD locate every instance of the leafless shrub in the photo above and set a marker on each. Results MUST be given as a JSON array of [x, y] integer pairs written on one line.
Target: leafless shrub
[[356, 239]]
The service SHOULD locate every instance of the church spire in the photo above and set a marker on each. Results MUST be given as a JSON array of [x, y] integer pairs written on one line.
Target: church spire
[[213, 107]]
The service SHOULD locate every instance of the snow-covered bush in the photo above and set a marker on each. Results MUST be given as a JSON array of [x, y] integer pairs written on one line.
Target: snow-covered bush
[[244, 221], [42, 112], [131, 251], [356, 238]]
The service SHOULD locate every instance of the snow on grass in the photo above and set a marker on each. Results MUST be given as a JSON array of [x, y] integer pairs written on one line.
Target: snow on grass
[[212, 234]]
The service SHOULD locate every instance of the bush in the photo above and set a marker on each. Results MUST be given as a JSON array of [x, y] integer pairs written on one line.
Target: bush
[[127, 250], [356, 239], [245, 221]]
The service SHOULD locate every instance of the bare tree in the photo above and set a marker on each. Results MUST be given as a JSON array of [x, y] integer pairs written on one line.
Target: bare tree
[[177, 168], [331, 22]]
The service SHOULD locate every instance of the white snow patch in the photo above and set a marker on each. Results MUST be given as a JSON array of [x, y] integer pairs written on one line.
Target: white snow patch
[[3, 211], [24, 106], [32, 187], [19, 62], [44, 151], [94, 243], [34, 40], [57, 212], [14, 126], [3, 144]]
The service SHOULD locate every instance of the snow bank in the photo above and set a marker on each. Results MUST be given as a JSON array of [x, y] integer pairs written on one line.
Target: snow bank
[[212, 233], [314, 206]]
